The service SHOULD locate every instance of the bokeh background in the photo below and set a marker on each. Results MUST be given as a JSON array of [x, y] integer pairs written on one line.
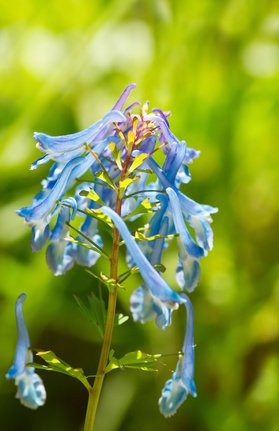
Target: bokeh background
[[215, 65]]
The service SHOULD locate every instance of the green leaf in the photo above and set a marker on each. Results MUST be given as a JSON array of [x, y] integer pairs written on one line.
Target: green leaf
[[145, 207], [140, 236], [94, 311], [125, 183], [116, 154], [137, 360], [56, 364], [120, 319], [92, 195], [104, 176], [98, 215], [138, 161], [130, 139]]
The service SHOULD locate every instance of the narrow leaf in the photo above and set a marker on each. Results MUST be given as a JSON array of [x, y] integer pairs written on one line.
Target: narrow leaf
[[135, 125], [92, 195], [116, 154], [98, 215], [140, 236], [131, 138], [106, 178], [103, 175], [136, 360], [145, 207], [138, 161], [94, 311], [56, 364], [125, 183]]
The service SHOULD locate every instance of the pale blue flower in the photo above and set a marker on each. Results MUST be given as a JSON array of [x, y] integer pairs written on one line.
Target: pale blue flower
[[38, 215], [182, 382], [57, 146], [188, 271], [30, 388], [178, 155], [196, 214], [145, 306], [154, 282], [60, 254]]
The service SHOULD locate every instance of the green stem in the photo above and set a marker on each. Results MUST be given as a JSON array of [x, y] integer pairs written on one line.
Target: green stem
[[95, 391]]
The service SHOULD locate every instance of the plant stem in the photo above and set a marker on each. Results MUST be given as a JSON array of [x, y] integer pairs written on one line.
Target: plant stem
[[95, 391]]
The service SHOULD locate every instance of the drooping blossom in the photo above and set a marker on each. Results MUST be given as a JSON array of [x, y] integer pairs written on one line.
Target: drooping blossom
[[30, 388]]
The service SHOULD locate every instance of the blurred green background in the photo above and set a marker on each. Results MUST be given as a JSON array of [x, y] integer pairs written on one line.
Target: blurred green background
[[215, 65]]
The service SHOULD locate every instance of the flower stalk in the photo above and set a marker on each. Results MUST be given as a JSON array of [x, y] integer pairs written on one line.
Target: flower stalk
[[95, 391]]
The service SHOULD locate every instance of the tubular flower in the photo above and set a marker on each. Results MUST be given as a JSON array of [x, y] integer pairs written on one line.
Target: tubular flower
[[188, 270], [182, 382], [157, 286], [66, 147], [144, 305], [30, 388]]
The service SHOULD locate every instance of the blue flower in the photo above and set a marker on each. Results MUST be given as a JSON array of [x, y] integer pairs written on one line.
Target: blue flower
[[178, 155], [182, 382], [154, 282], [60, 254], [30, 388], [145, 306], [188, 271], [58, 147], [39, 214], [197, 215]]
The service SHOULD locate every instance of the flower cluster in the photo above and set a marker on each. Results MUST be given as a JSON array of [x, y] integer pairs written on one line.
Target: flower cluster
[[126, 142]]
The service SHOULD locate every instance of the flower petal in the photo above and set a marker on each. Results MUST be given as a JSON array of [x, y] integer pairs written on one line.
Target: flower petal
[[174, 394], [141, 305], [122, 99], [60, 256], [64, 143], [23, 342], [145, 307], [188, 350], [30, 390], [187, 272], [40, 234], [182, 382], [185, 238]]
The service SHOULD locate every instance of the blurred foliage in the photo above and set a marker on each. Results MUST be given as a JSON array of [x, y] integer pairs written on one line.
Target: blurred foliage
[[215, 65]]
